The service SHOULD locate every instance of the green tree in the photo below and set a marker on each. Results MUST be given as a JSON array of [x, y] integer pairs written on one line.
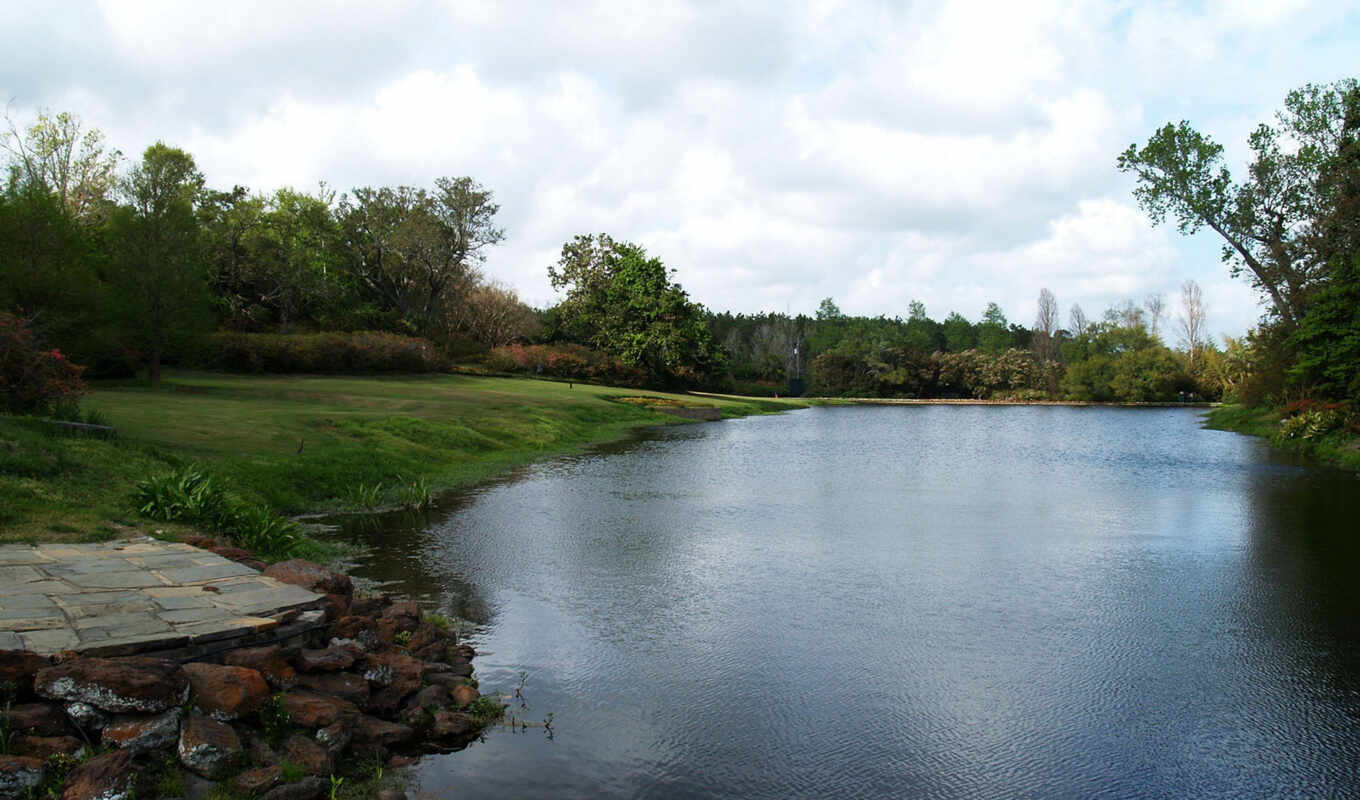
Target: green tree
[[158, 267], [959, 333], [1268, 222], [623, 302], [74, 164], [993, 333]]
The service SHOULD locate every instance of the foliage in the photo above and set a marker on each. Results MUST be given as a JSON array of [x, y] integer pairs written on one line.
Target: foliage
[[191, 496], [57, 154], [564, 361], [33, 379], [1311, 424], [1328, 337], [324, 353], [624, 303]]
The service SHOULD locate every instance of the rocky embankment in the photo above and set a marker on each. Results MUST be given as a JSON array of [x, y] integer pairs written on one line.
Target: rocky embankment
[[379, 684]]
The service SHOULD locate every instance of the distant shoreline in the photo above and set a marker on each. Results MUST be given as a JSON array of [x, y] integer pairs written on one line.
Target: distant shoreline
[[905, 401]]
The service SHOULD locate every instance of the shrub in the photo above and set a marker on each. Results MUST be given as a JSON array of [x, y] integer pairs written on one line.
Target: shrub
[[193, 497], [333, 352], [33, 379], [564, 361]]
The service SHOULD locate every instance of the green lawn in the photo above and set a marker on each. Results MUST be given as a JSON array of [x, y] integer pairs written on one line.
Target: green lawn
[[303, 443]]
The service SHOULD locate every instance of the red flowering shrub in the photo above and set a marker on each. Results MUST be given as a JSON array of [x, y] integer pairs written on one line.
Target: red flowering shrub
[[33, 378], [360, 351], [564, 361]]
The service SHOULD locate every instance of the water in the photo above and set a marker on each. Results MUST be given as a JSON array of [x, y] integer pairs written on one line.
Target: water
[[938, 602]]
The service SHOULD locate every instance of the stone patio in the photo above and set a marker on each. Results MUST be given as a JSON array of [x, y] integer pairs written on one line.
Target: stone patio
[[143, 596]]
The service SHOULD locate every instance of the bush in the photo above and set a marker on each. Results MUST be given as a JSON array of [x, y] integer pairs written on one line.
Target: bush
[[196, 498], [33, 380], [357, 352], [564, 361]]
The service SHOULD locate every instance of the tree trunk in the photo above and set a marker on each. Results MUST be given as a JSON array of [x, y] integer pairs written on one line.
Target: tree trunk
[[153, 370]]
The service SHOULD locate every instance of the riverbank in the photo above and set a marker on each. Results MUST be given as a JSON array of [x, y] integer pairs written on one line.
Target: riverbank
[[1338, 448], [300, 444]]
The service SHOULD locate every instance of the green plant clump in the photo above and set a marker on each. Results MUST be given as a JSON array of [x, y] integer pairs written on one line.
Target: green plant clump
[[189, 495]]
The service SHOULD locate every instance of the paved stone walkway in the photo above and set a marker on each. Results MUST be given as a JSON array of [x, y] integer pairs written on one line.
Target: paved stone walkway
[[137, 596]]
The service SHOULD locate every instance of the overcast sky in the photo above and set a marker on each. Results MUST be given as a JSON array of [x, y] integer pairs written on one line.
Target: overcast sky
[[773, 154]]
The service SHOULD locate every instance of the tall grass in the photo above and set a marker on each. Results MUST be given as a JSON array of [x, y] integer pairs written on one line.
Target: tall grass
[[192, 496]]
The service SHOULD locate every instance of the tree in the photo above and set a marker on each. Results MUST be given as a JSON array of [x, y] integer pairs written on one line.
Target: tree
[[1155, 304], [1268, 222], [993, 332], [624, 302], [1191, 320], [959, 334], [407, 247], [1046, 327], [158, 266], [828, 310], [1076, 318], [74, 164]]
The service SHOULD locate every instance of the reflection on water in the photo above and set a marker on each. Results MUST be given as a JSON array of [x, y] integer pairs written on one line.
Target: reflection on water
[[922, 601]]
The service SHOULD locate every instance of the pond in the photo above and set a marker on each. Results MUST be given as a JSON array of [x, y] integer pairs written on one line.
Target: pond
[[924, 601]]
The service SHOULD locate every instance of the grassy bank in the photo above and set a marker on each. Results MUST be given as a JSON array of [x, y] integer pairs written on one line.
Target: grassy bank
[[304, 443], [1340, 448]]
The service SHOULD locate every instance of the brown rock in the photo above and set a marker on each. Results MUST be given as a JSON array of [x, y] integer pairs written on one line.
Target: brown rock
[[86, 717], [464, 695], [433, 696], [371, 730], [309, 788], [307, 753], [20, 666], [310, 575], [446, 679], [44, 746], [40, 719], [106, 777], [429, 643], [20, 775], [268, 661], [369, 606], [350, 627], [345, 685], [451, 723], [335, 738], [463, 651], [208, 747], [401, 762], [311, 710], [260, 751], [226, 692], [138, 734], [407, 610], [336, 605], [145, 685], [391, 794], [255, 781], [332, 659]]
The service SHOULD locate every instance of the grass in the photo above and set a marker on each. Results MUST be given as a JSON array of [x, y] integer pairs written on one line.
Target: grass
[[1339, 448], [294, 444]]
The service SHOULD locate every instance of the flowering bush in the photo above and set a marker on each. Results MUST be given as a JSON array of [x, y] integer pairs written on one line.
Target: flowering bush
[[361, 351], [33, 379], [1308, 420], [564, 361]]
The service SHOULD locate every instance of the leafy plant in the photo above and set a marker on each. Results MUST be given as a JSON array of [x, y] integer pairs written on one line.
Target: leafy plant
[[193, 497], [415, 494], [362, 495], [274, 720]]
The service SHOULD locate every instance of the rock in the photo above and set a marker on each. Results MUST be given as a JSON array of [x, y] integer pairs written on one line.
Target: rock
[[448, 680], [415, 717], [431, 697], [260, 751], [464, 695], [19, 775], [41, 719], [369, 606], [336, 605], [312, 576], [145, 685], [106, 777], [401, 762], [307, 753], [311, 710], [208, 747], [44, 746], [309, 788], [268, 661], [19, 667], [407, 611], [335, 738], [255, 781], [463, 651], [345, 685], [391, 794], [227, 692], [371, 730], [332, 659], [352, 627], [86, 717], [429, 643], [143, 734], [451, 723]]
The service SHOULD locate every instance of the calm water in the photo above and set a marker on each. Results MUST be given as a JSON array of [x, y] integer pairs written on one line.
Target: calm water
[[939, 602]]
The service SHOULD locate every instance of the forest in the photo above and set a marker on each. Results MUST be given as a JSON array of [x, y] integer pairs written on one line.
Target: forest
[[112, 267]]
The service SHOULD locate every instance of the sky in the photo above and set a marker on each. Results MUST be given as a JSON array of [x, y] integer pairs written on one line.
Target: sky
[[772, 154]]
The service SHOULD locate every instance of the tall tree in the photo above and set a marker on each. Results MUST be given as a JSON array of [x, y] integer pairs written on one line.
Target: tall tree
[[1155, 304], [1046, 327], [1268, 221], [73, 163], [158, 263], [993, 332], [1076, 320], [1191, 320]]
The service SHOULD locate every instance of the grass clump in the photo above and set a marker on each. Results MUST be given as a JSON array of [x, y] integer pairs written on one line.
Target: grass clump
[[192, 496]]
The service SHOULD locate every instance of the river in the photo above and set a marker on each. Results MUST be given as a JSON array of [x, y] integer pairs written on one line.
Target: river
[[926, 601]]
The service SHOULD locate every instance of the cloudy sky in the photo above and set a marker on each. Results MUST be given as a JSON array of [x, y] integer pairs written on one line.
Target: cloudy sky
[[773, 154]]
